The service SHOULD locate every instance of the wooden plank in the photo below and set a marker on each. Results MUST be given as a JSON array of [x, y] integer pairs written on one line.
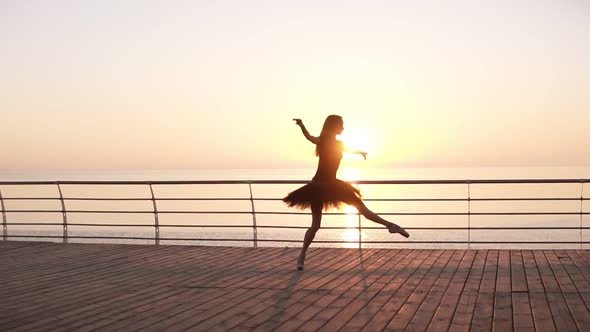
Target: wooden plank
[[466, 306], [406, 312], [578, 275], [517, 272], [358, 277], [533, 277], [272, 320], [542, 318], [218, 314], [563, 279], [578, 271], [10, 245], [99, 316], [92, 310], [341, 286], [121, 314], [44, 270], [153, 315], [211, 310], [503, 295], [236, 269], [431, 302], [337, 286], [585, 254], [582, 264], [310, 312], [43, 304], [62, 272], [547, 277], [404, 286], [397, 265], [446, 310], [325, 276], [559, 309], [576, 305], [523, 315], [164, 276], [484, 306], [541, 312], [287, 303]]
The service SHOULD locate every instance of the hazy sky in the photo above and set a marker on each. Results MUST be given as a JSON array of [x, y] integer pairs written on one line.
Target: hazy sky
[[214, 84]]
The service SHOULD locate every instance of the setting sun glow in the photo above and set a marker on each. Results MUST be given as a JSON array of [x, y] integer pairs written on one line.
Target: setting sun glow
[[356, 140]]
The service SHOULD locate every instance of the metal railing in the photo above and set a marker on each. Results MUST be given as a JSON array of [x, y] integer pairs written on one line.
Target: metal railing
[[157, 225]]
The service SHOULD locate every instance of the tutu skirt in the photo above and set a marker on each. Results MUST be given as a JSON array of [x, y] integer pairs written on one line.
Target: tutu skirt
[[331, 194]]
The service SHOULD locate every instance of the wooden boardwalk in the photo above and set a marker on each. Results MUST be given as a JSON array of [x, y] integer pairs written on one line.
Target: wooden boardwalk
[[80, 287]]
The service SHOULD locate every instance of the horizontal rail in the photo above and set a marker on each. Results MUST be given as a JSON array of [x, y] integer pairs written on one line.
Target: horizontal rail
[[280, 199], [466, 181], [299, 241], [307, 213], [300, 227]]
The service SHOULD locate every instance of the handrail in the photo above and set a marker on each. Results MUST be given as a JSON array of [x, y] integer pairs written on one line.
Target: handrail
[[254, 211], [280, 199], [466, 181]]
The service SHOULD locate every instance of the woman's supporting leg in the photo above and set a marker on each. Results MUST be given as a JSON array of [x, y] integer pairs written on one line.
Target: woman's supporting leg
[[364, 210], [316, 220]]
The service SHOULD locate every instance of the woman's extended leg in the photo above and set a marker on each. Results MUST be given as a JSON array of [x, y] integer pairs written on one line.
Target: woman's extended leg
[[364, 210], [316, 220]]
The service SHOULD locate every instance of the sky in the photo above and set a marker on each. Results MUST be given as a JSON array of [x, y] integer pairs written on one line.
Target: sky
[[123, 85]]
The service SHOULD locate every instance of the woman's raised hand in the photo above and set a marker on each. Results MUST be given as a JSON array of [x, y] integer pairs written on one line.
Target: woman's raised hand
[[298, 122]]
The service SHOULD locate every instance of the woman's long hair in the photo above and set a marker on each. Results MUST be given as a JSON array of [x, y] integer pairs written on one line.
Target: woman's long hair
[[331, 125]]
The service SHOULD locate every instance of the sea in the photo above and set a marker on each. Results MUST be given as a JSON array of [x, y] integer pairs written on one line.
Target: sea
[[187, 215]]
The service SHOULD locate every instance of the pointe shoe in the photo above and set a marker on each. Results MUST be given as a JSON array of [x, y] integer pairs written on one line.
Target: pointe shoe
[[396, 229], [299, 265]]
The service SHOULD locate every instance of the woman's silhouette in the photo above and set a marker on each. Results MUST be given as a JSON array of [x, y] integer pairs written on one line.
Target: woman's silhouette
[[325, 190]]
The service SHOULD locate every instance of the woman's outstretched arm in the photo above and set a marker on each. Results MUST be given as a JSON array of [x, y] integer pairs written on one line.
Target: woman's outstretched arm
[[310, 138]]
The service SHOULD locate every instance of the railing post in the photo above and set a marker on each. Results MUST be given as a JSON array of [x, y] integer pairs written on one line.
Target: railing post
[[468, 215], [156, 217], [64, 214], [360, 225], [581, 213], [254, 228], [360, 233], [4, 224]]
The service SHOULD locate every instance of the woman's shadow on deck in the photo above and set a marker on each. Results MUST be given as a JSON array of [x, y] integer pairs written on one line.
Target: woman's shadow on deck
[[285, 298]]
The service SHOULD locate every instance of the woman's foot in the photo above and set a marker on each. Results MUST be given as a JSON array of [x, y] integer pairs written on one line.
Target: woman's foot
[[393, 228], [300, 261]]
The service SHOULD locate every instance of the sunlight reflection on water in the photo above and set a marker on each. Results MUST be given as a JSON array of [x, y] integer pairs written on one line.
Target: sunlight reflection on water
[[351, 236]]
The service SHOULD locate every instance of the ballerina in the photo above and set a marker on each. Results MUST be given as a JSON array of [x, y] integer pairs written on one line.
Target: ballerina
[[325, 190]]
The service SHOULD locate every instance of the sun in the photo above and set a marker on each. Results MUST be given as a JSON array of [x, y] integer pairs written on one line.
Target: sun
[[356, 140]]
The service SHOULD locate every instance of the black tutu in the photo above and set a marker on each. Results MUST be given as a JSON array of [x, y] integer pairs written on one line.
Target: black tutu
[[332, 194]]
